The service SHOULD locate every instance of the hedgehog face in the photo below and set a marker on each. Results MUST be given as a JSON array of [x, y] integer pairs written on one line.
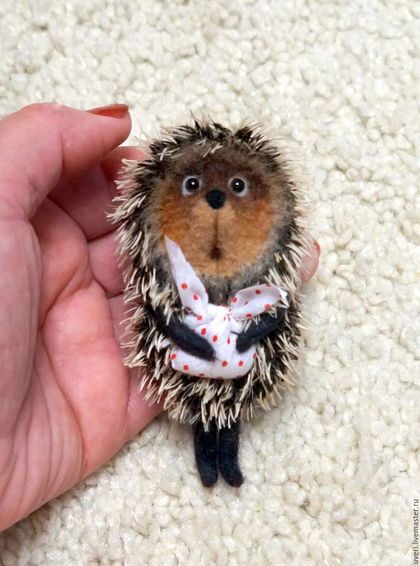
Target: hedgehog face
[[223, 210]]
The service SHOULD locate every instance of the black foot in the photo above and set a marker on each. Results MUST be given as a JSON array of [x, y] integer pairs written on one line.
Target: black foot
[[205, 446], [228, 455]]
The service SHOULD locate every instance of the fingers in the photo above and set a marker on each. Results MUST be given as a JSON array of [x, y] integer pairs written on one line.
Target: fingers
[[63, 255], [139, 411], [43, 142], [310, 261], [104, 264], [88, 198], [113, 162]]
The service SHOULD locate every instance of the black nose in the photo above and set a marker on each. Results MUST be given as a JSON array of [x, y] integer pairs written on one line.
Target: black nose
[[216, 198]]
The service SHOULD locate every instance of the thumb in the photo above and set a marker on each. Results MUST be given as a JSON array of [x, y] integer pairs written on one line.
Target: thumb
[[42, 142]]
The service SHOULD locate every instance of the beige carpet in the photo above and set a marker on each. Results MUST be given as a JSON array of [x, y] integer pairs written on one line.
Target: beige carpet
[[331, 475]]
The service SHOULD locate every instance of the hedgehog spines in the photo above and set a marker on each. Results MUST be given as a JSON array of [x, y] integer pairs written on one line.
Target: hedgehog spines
[[187, 398]]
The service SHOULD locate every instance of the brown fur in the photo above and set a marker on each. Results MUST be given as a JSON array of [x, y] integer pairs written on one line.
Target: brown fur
[[220, 243]]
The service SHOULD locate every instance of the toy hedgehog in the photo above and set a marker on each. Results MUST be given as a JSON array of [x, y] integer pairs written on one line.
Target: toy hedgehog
[[211, 225]]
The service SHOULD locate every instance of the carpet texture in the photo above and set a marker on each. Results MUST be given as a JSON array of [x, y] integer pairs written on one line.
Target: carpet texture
[[331, 474]]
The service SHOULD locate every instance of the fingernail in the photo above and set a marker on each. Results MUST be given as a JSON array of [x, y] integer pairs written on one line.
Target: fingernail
[[111, 111], [316, 246]]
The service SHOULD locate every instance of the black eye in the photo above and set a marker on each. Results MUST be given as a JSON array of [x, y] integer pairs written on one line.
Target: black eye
[[239, 186], [190, 185]]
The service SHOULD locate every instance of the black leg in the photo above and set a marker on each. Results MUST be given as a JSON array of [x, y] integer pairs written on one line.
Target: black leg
[[205, 446], [228, 455]]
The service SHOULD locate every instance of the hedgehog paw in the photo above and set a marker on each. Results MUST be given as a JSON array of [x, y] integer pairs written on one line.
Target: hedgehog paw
[[243, 343]]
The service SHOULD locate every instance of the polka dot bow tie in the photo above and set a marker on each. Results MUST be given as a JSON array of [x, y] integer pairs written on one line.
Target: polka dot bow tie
[[218, 324]]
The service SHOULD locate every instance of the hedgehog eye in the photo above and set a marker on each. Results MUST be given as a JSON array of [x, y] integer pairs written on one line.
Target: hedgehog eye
[[239, 186], [190, 185]]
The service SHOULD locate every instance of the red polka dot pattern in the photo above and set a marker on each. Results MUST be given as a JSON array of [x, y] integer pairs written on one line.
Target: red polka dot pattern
[[222, 322]]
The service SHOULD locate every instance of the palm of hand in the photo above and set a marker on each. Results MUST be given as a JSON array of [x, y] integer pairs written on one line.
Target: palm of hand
[[67, 403], [71, 409]]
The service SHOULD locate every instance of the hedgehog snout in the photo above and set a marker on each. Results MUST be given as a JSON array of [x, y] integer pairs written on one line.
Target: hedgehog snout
[[215, 198]]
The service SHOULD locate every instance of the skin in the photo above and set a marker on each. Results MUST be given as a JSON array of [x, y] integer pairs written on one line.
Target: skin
[[67, 403]]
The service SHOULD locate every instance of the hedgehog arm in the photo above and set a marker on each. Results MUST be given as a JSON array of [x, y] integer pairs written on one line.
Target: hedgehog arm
[[258, 330], [183, 336]]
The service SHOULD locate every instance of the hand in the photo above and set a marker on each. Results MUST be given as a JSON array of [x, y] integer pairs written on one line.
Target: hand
[[67, 403]]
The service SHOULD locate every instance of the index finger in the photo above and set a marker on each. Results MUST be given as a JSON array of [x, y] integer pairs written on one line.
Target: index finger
[[88, 200], [43, 142]]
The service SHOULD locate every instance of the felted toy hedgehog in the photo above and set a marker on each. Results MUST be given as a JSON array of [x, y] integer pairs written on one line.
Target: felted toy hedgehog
[[211, 227]]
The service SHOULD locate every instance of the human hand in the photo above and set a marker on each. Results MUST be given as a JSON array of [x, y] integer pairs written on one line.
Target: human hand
[[67, 403]]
